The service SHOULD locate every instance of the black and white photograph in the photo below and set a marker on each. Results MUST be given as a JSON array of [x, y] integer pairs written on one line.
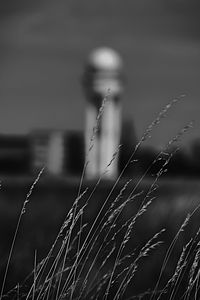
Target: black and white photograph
[[99, 150]]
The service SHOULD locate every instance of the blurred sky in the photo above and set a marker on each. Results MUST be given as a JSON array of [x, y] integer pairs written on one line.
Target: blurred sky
[[44, 45]]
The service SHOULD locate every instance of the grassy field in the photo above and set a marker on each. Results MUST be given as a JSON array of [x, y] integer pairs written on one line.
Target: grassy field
[[51, 200], [105, 240]]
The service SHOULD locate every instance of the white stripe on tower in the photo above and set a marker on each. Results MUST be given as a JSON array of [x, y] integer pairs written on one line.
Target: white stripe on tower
[[91, 146]]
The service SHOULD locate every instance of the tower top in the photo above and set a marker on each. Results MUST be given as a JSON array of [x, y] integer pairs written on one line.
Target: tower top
[[105, 59], [103, 73]]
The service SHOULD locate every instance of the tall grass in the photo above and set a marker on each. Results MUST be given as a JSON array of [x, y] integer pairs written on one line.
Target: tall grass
[[93, 260]]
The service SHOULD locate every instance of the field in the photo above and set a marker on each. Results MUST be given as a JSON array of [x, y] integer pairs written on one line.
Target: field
[[52, 198]]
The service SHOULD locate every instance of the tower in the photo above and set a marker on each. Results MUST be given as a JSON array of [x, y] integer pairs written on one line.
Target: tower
[[103, 76]]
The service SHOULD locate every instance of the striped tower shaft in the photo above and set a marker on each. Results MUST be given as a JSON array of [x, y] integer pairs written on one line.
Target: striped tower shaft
[[110, 138]]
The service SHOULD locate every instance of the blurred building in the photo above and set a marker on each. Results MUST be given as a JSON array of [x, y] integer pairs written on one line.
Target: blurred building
[[64, 153], [95, 149], [14, 154]]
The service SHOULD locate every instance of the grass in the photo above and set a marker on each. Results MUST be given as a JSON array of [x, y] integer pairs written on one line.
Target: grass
[[94, 260]]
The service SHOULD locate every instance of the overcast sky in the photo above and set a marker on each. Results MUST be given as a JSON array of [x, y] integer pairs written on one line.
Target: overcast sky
[[44, 45]]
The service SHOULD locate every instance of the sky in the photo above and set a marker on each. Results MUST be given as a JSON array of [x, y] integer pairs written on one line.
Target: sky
[[44, 45]]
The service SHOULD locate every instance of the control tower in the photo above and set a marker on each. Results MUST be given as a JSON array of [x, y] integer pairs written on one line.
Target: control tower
[[103, 77]]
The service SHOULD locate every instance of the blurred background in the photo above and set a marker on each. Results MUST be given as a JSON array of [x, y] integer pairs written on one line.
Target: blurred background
[[44, 50], [44, 45]]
